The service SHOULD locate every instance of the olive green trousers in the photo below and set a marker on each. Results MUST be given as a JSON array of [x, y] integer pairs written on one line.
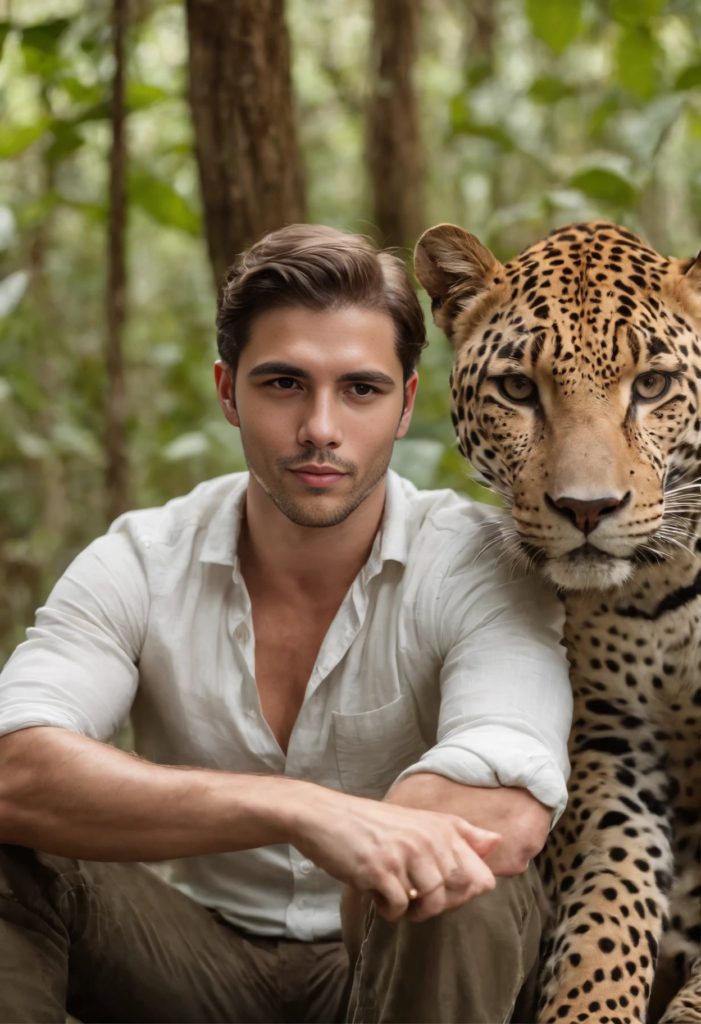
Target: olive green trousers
[[113, 942]]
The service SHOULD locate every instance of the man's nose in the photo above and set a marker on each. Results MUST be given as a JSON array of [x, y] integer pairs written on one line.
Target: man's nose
[[321, 426]]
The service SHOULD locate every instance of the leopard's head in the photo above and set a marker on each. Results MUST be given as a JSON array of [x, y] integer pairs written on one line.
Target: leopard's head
[[575, 392]]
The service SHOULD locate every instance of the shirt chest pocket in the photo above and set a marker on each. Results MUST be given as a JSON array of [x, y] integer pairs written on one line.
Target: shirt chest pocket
[[374, 747]]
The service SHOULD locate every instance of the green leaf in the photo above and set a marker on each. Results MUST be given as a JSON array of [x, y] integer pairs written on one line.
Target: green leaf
[[637, 55], [556, 22], [15, 138], [79, 91], [636, 12], [45, 35], [599, 117], [605, 185], [94, 112], [66, 140], [549, 89], [689, 78], [161, 202], [141, 95]]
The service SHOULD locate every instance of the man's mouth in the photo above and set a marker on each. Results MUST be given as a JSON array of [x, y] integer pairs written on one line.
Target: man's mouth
[[318, 476]]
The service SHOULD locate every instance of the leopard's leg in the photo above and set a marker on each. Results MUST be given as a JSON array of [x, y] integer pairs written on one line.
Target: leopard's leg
[[685, 1008], [682, 945], [608, 868]]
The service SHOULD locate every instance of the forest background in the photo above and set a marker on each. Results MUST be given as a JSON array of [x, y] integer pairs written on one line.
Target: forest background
[[143, 143]]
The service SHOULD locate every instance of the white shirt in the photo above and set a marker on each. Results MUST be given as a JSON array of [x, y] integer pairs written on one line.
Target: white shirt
[[438, 660]]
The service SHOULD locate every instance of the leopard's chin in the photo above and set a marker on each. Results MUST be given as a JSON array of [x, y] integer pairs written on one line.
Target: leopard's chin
[[588, 571]]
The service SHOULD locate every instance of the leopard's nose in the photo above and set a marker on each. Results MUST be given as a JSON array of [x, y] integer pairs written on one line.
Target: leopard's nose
[[586, 514]]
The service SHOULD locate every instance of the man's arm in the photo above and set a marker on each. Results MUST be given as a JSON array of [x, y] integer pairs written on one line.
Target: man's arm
[[521, 820], [64, 793]]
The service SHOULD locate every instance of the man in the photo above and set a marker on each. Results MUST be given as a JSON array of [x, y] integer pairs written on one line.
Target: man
[[294, 645]]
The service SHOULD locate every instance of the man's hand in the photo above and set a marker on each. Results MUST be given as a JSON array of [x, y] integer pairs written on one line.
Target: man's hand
[[389, 851]]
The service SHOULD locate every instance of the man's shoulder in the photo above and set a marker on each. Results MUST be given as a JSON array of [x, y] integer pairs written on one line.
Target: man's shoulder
[[445, 521], [211, 504]]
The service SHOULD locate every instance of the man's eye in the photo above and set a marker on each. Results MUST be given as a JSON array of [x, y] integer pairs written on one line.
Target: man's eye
[[362, 390], [284, 383]]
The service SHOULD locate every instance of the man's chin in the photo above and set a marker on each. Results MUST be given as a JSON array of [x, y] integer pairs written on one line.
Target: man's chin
[[315, 518], [588, 571], [319, 510]]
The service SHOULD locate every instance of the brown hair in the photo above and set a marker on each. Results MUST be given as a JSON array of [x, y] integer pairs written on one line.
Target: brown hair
[[319, 268]]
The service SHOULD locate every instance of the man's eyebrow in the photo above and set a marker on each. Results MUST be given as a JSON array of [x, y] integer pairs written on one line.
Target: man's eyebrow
[[281, 369], [367, 377]]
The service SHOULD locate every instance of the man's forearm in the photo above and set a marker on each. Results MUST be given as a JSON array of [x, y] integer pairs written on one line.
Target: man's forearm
[[66, 794], [521, 820]]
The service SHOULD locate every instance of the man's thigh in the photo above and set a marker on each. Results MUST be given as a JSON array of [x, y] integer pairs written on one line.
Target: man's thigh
[[128, 947], [141, 950]]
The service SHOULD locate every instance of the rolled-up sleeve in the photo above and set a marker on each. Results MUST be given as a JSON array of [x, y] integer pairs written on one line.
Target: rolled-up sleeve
[[77, 668], [505, 698]]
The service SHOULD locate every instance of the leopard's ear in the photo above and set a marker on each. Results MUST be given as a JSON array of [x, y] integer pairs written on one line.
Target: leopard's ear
[[454, 268], [692, 272]]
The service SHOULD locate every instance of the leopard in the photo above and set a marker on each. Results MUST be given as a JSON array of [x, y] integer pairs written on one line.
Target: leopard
[[575, 395]]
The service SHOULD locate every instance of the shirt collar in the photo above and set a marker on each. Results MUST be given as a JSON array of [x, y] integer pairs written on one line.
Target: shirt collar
[[222, 536], [391, 543], [392, 540]]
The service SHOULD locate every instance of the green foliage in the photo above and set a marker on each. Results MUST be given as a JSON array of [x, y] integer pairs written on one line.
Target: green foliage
[[537, 113], [557, 24], [161, 201], [605, 186]]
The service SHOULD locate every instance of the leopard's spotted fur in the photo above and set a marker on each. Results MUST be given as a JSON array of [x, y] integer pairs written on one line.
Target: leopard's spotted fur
[[576, 395]]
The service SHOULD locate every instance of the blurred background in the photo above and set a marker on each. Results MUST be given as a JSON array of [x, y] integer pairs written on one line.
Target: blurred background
[[143, 143]]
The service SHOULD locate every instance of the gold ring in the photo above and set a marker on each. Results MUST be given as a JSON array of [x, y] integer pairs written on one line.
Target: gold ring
[[413, 894]]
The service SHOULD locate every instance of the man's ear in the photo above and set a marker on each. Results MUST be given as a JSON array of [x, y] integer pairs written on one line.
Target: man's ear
[[454, 268], [408, 408], [224, 381]]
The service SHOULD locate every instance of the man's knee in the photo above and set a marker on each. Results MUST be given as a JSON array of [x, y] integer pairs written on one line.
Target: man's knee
[[35, 880], [502, 913], [466, 964]]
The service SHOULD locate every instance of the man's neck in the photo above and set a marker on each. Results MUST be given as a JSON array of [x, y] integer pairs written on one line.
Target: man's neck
[[300, 560]]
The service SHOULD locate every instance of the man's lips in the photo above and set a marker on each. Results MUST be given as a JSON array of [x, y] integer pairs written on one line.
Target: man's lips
[[318, 476]]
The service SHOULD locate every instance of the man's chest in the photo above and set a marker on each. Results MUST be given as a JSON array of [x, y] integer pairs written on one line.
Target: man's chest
[[286, 647]]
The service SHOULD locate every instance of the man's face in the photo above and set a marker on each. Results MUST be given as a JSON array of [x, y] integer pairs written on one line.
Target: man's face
[[319, 399]]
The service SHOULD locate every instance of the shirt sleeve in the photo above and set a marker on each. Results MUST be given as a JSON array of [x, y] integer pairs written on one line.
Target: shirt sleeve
[[78, 666], [505, 697]]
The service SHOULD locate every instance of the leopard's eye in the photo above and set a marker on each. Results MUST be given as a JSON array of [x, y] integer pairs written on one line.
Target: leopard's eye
[[517, 388], [650, 386]]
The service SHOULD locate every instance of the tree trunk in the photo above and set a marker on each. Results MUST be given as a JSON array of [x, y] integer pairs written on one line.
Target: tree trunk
[[395, 149], [243, 112], [116, 470]]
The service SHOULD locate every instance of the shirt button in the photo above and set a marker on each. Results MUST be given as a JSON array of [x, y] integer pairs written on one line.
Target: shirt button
[[241, 633], [250, 713], [306, 867]]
